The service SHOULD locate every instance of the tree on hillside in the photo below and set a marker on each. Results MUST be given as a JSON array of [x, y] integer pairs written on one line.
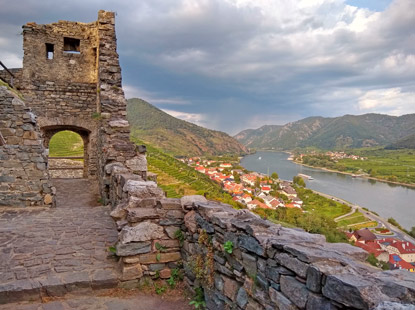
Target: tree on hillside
[[412, 232], [274, 175], [236, 177], [257, 182], [299, 181]]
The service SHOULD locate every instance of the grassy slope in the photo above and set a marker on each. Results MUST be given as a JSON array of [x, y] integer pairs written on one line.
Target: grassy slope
[[316, 204], [66, 143]]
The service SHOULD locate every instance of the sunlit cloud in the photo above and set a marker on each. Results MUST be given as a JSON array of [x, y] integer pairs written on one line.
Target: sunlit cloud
[[195, 118], [391, 101]]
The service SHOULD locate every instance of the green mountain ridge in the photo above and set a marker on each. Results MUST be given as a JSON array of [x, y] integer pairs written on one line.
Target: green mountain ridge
[[348, 131], [407, 142], [177, 137]]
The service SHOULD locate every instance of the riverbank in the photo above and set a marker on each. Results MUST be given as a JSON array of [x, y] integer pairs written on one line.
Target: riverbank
[[400, 234], [351, 174], [388, 200]]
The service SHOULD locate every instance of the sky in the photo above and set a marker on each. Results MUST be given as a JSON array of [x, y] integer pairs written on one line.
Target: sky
[[230, 65]]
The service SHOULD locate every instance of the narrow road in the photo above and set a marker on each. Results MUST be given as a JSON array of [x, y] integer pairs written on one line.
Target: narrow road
[[382, 222]]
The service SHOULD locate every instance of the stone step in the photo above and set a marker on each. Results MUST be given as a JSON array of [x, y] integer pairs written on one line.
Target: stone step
[[54, 286]]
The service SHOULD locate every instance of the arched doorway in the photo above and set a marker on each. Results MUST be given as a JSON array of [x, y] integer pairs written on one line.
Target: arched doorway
[[66, 155], [69, 149]]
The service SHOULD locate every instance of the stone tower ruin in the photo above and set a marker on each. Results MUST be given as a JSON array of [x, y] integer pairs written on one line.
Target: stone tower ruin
[[71, 80]]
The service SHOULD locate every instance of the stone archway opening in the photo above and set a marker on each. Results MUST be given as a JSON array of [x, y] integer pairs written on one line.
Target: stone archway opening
[[68, 151]]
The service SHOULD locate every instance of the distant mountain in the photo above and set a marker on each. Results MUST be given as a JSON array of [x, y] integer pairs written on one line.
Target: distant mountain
[[349, 131], [407, 142], [175, 136]]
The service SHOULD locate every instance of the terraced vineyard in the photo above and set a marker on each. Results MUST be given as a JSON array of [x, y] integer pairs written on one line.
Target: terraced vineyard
[[178, 179]]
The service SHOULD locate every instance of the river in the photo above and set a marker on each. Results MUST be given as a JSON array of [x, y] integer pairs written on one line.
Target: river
[[388, 200]]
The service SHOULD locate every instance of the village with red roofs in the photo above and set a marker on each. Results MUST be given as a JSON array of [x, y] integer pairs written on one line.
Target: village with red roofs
[[255, 190], [396, 253], [252, 189]]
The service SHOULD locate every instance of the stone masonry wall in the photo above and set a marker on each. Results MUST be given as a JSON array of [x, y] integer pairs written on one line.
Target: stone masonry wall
[[114, 134], [267, 267], [65, 66], [71, 78], [148, 223], [24, 179], [62, 90], [5, 76]]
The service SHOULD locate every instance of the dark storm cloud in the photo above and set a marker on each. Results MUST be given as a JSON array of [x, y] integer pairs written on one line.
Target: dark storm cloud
[[234, 64]]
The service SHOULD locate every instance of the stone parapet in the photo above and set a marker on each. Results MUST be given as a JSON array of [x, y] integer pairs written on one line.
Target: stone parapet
[[24, 179], [242, 261], [260, 265]]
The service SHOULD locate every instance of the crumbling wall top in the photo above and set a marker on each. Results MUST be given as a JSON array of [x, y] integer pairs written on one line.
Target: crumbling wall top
[[60, 52]]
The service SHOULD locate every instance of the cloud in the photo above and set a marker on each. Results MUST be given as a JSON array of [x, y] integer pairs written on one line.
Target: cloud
[[390, 101], [195, 118], [153, 98], [242, 63]]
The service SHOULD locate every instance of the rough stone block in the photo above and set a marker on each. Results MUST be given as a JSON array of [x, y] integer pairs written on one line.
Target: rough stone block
[[352, 290], [242, 298], [171, 231], [294, 290], [141, 214], [230, 288], [168, 244], [250, 244], [188, 201], [292, 263], [218, 282], [161, 258], [250, 264], [144, 231], [190, 221], [281, 301], [131, 272], [132, 248], [143, 189], [170, 203], [165, 273], [319, 302], [104, 279], [314, 278], [138, 163]]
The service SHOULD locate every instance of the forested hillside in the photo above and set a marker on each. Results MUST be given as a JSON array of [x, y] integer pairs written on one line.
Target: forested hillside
[[175, 136], [349, 131]]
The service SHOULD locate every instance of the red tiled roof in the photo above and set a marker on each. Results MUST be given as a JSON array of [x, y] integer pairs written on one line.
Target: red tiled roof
[[258, 204], [364, 235], [274, 203], [404, 247], [398, 262], [371, 247]]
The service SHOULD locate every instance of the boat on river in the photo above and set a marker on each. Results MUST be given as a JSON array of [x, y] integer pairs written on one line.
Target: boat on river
[[305, 176]]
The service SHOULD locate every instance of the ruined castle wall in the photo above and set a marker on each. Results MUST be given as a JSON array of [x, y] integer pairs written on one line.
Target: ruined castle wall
[[59, 81], [24, 179], [73, 55], [71, 78], [263, 266], [6, 77], [114, 134]]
